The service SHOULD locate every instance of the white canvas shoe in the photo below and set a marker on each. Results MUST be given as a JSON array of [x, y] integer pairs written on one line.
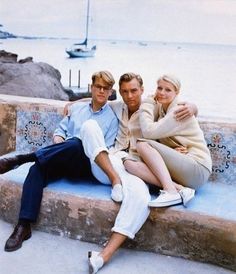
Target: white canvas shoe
[[117, 193], [187, 194], [95, 262], [166, 199]]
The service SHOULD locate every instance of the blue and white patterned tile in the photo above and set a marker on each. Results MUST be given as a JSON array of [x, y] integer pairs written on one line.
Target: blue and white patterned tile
[[34, 129], [222, 145]]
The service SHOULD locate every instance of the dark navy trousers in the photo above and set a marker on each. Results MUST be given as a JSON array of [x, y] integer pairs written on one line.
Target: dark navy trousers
[[63, 160]]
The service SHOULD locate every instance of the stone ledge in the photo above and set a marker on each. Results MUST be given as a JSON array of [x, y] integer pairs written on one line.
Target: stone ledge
[[204, 231], [33, 121], [27, 124]]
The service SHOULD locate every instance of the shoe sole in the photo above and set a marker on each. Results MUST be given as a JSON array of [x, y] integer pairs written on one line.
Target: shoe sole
[[189, 198], [91, 270], [19, 246], [175, 202], [90, 267], [117, 201]]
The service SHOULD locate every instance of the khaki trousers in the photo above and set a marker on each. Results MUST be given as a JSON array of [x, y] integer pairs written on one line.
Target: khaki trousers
[[183, 168]]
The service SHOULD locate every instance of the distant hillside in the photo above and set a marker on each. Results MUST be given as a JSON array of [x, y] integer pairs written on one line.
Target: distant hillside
[[5, 34]]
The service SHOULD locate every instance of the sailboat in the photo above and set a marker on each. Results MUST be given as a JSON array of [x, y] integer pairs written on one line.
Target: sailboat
[[82, 49]]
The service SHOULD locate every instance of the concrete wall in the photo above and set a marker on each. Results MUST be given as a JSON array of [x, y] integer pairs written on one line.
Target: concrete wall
[[27, 124]]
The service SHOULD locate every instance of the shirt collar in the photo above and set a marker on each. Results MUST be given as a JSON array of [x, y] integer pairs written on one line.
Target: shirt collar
[[101, 109], [125, 109]]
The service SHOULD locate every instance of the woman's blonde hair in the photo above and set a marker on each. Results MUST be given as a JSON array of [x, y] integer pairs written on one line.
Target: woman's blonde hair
[[171, 79]]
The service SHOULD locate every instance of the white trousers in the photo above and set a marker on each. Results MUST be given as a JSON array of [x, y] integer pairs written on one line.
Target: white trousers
[[134, 208]]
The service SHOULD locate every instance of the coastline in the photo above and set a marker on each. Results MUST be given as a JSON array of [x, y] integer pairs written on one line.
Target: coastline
[[204, 70]]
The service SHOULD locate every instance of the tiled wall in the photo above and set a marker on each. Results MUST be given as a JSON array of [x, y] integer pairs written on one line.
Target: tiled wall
[[34, 129], [221, 140], [26, 124], [35, 124]]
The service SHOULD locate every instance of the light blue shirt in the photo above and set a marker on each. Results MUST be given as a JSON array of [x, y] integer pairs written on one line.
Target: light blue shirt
[[79, 113]]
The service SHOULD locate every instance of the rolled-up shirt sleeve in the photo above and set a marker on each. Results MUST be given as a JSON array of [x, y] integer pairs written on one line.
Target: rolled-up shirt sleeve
[[62, 129]]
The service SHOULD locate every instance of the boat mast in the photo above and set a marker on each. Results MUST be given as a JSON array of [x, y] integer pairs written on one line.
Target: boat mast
[[87, 22]]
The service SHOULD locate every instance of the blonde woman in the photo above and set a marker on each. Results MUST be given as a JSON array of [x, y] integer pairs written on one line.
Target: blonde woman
[[174, 156]]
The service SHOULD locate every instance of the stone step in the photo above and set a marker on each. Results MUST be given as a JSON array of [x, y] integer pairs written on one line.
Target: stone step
[[204, 231]]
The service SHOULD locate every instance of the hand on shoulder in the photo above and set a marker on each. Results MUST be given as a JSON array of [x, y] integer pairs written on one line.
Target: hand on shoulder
[[185, 110], [66, 108]]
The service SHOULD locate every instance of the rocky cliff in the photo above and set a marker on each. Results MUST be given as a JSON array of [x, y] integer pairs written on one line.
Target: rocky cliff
[[27, 78]]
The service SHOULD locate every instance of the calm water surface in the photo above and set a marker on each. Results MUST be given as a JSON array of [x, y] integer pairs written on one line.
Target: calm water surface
[[207, 72]]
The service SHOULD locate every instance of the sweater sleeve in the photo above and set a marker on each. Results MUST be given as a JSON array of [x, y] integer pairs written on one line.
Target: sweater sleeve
[[152, 128]]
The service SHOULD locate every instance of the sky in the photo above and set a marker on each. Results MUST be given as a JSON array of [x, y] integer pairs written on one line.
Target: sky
[[193, 21]]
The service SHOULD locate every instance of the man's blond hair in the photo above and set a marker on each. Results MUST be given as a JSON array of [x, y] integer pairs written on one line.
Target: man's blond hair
[[105, 75]]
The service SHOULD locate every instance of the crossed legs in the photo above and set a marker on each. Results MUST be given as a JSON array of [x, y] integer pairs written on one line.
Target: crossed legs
[[131, 216], [154, 170], [96, 150]]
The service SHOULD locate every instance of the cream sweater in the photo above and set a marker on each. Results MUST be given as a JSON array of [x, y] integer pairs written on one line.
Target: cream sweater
[[158, 125]]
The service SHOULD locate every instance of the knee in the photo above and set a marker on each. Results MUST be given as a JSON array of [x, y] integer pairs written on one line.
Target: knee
[[138, 193], [129, 165], [142, 146], [88, 126], [73, 144]]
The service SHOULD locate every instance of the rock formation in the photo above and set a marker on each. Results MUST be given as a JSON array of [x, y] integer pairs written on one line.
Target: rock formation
[[26, 78]]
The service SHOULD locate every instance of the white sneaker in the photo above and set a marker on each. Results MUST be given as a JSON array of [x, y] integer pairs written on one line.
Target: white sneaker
[[117, 193], [166, 199], [186, 194], [95, 262]]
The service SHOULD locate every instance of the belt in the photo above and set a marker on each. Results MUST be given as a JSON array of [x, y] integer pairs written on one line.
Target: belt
[[125, 150]]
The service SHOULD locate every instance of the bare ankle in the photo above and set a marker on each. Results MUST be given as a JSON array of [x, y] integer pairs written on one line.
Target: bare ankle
[[105, 256], [171, 190], [116, 183]]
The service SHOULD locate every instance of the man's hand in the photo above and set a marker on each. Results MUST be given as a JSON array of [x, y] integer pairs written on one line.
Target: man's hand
[[181, 149], [185, 111], [66, 108], [58, 139]]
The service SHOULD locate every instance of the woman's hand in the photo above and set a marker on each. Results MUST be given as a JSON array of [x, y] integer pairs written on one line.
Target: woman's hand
[[181, 149], [58, 139], [185, 111]]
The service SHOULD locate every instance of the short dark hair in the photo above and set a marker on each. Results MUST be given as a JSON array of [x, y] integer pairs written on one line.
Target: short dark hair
[[127, 77]]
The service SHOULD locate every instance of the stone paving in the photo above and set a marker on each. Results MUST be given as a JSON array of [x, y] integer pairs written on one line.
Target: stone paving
[[49, 254]]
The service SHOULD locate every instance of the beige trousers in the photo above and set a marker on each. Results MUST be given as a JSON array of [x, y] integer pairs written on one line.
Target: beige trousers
[[183, 168]]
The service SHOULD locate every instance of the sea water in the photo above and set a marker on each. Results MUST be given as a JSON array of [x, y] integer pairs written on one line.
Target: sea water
[[207, 72]]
